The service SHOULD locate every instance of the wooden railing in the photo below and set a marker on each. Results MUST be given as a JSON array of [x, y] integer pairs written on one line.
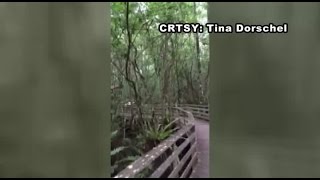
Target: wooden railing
[[175, 157], [198, 111]]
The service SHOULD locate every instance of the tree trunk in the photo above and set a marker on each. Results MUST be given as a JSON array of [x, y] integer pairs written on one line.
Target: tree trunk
[[198, 63], [131, 83]]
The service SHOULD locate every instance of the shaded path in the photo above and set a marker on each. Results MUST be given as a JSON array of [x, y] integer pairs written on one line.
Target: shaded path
[[202, 132]]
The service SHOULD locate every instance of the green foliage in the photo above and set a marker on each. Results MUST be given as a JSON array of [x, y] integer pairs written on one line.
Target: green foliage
[[121, 161], [125, 161], [153, 55], [114, 134], [117, 150], [158, 132], [153, 67]]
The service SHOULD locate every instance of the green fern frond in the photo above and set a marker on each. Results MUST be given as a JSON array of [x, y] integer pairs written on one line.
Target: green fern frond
[[128, 159], [114, 134], [117, 150]]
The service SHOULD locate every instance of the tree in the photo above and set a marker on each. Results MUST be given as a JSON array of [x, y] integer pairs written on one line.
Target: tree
[[153, 70]]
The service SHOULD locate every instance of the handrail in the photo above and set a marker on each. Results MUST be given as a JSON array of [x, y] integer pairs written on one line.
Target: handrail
[[189, 114], [194, 105], [177, 153], [198, 112]]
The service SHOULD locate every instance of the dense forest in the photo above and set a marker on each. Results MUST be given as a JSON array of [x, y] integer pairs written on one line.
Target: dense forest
[[152, 69]]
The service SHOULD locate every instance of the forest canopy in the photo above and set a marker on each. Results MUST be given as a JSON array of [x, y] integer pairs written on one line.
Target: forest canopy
[[150, 66]]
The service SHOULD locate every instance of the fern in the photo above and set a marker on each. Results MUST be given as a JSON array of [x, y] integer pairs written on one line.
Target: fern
[[159, 132], [128, 159], [117, 150], [114, 134]]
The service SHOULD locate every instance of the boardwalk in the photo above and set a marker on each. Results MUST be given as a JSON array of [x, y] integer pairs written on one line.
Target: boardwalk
[[190, 145], [202, 132]]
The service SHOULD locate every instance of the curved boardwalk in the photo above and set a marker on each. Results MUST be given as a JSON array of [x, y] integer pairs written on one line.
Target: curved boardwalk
[[195, 160], [202, 132]]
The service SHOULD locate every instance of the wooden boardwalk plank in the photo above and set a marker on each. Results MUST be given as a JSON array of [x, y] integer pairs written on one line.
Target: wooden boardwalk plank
[[202, 168]]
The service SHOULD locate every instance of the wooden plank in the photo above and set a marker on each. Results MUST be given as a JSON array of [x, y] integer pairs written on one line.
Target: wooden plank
[[174, 173], [189, 107], [144, 161], [204, 107], [195, 108], [206, 118], [193, 105], [161, 169], [197, 111], [198, 114], [190, 165], [188, 114]]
